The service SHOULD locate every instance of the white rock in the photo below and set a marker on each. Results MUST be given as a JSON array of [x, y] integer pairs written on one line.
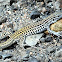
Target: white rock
[[15, 26], [9, 12], [58, 53], [57, 4], [33, 39]]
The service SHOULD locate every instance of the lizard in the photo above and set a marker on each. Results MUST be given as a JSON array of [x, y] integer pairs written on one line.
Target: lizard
[[33, 28]]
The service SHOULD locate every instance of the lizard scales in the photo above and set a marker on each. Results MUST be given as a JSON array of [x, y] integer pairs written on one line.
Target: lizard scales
[[32, 29]]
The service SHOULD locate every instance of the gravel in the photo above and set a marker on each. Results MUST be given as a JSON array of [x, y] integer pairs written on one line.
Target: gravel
[[15, 14]]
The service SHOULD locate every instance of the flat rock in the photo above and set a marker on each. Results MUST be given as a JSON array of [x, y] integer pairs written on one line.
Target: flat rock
[[33, 39], [57, 26]]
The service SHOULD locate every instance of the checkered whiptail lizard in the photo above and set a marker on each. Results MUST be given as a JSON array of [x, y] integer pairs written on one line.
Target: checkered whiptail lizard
[[33, 29]]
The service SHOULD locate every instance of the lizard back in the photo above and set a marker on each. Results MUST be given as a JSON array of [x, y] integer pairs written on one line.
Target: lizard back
[[33, 28]]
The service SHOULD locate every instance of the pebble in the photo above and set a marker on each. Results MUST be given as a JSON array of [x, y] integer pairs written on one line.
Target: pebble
[[15, 26], [8, 12], [10, 25], [15, 6], [33, 39], [12, 1], [57, 4], [48, 39], [3, 20], [51, 49], [33, 60], [7, 60], [35, 14], [4, 56], [43, 5], [43, 9], [42, 40], [45, 38], [58, 53], [60, 41], [0, 57], [25, 59], [50, 4]]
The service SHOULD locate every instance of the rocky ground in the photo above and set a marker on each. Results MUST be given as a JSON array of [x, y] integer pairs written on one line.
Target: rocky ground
[[15, 14]]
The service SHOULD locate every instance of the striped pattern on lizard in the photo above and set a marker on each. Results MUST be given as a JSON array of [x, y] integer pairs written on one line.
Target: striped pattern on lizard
[[33, 28]]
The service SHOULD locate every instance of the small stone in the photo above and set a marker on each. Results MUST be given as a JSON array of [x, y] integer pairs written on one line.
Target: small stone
[[3, 20], [31, 53], [51, 49], [33, 60], [57, 4], [33, 39], [60, 41], [12, 1], [8, 12], [7, 60], [43, 5], [58, 53], [35, 14], [48, 39], [50, 4], [0, 56], [2, 26], [10, 25], [15, 26], [42, 40], [25, 59], [43, 9], [15, 6], [4, 56]]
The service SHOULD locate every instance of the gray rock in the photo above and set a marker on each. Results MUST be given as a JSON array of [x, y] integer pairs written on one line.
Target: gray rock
[[10, 25], [4, 56], [51, 49], [15, 6], [60, 41], [25, 59], [0, 57], [33, 60], [35, 14], [12, 1], [48, 39], [58, 53], [42, 40], [3, 20]]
